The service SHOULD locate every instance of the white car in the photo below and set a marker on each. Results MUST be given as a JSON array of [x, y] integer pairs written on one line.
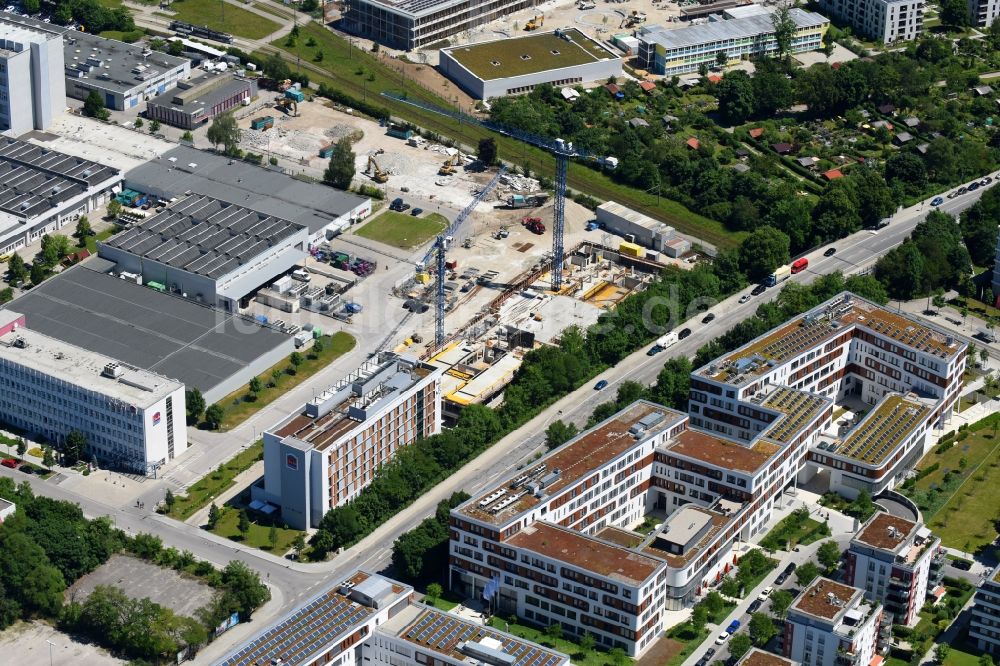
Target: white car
[[765, 593], [744, 298], [722, 638]]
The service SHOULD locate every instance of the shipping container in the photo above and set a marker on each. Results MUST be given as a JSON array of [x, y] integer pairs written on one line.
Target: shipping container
[[631, 249], [297, 95], [262, 123]]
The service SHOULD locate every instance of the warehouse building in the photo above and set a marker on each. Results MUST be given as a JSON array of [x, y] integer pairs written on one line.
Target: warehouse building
[[209, 250], [513, 66], [132, 419], [884, 21], [641, 229], [42, 190], [198, 346], [410, 24], [325, 455], [123, 74], [668, 51], [196, 101], [32, 88], [323, 210]]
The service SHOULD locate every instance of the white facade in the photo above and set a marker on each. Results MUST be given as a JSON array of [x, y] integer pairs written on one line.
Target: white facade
[[325, 455], [886, 21], [644, 230], [32, 88], [131, 418], [984, 626], [830, 624]]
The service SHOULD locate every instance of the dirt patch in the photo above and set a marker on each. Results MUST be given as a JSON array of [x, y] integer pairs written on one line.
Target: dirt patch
[[28, 643], [662, 651]]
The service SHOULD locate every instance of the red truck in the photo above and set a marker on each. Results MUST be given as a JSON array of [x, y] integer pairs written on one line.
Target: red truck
[[800, 265], [534, 225]]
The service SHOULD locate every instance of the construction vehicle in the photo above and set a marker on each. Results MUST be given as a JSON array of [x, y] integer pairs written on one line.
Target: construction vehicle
[[447, 168], [288, 105], [535, 23], [530, 201], [501, 233], [534, 225], [584, 6], [375, 171]]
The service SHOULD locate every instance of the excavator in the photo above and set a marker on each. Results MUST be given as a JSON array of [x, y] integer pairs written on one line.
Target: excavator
[[448, 167], [535, 23], [289, 106], [375, 172]]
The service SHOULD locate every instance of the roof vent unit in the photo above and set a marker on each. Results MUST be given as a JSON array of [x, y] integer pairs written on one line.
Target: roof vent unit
[[20, 342], [345, 587], [112, 371], [550, 478]]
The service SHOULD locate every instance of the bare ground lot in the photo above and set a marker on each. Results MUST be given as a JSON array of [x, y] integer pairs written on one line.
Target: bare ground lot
[[27, 644], [140, 579]]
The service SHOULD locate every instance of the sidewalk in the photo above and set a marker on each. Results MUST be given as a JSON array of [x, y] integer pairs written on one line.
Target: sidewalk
[[240, 483]]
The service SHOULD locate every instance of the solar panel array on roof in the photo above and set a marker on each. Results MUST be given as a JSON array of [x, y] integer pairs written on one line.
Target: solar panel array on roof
[[892, 421], [444, 633], [798, 406]]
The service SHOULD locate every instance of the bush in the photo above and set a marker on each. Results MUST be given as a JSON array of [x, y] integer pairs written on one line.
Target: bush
[[370, 191], [367, 108]]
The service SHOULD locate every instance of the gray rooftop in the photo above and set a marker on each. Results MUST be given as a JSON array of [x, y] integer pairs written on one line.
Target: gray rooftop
[[34, 180], [111, 65], [200, 93], [165, 334], [205, 236], [716, 31], [185, 169], [16, 35]]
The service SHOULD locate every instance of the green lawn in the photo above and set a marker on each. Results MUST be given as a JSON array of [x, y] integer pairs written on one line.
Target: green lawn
[[792, 531], [224, 17], [682, 633], [440, 604], [402, 230], [105, 234], [210, 486], [579, 656], [240, 405], [272, 9], [127, 37], [259, 535]]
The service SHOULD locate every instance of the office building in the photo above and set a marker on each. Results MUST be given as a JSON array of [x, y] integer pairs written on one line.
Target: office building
[[830, 624], [323, 456], [513, 66], [984, 625], [884, 21], [896, 562], [196, 101], [132, 419], [123, 74], [898, 379], [982, 13], [670, 51], [32, 88], [410, 24], [42, 191], [208, 250]]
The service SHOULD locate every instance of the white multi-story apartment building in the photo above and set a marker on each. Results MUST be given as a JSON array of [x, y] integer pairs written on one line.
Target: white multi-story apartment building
[[132, 419], [830, 624], [903, 378], [325, 455], [984, 626], [886, 21], [32, 87], [982, 13], [891, 560]]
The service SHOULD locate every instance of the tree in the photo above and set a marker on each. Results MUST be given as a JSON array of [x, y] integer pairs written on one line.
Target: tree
[[735, 93], [780, 602], [587, 642], [138, 123], [714, 603], [784, 31], [214, 416], [806, 573], [187, 136], [244, 587], [828, 555], [6, 295], [83, 229], [862, 506], [169, 500], [275, 67], [114, 209], [244, 524], [985, 660], [941, 653], [295, 358], [224, 131], [93, 106], [299, 544], [558, 433], [39, 273], [721, 59], [213, 516], [772, 91], [763, 251], [22, 447], [54, 248], [954, 13], [739, 645], [154, 126], [488, 151], [340, 171], [48, 458], [761, 628], [175, 47], [17, 269], [74, 447], [31, 6], [275, 376], [908, 169], [272, 537], [618, 656], [255, 386], [434, 592], [194, 405], [699, 618], [554, 631]]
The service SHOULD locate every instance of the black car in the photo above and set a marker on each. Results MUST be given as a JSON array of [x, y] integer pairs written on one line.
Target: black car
[[710, 652], [973, 187], [654, 350], [758, 290], [684, 333], [707, 318], [754, 606], [830, 252], [790, 568], [963, 190], [782, 577]]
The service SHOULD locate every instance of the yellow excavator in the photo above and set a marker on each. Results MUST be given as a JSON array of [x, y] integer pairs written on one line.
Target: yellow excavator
[[535, 23], [448, 167], [376, 173]]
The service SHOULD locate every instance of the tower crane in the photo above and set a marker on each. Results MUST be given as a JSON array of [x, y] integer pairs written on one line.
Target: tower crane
[[562, 150], [440, 247]]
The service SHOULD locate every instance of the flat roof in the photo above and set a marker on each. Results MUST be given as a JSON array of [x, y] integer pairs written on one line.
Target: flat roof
[[457, 639], [885, 531], [585, 552], [84, 368], [36, 180], [530, 54], [574, 460], [705, 447], [758, 657], [196, 345], [113, 65], [719, 31], [17, 36], [306, 631], [633, 216], [185, 169], [202, 92], [205, 236], [799, 409], [840, 315], [825, 598], [621, 536], [883, 429], [691, 521]]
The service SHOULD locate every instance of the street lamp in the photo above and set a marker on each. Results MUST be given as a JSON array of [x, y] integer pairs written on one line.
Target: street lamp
[[51, 645]]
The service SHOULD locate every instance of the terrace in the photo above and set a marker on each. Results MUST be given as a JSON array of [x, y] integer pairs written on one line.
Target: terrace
[[882, 430]]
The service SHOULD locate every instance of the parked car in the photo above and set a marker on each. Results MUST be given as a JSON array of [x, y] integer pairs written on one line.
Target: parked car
[[733, 627], [722, 638], [952, 195], [27, 469], [707, 318], [758, 290], [709, 653], [754, 606], [830, 251], [765, 593], [684, 333], [744, 298], [601, 385], [937, 201], [416, 211], [397, 204], [9, 462], [782, 577]]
